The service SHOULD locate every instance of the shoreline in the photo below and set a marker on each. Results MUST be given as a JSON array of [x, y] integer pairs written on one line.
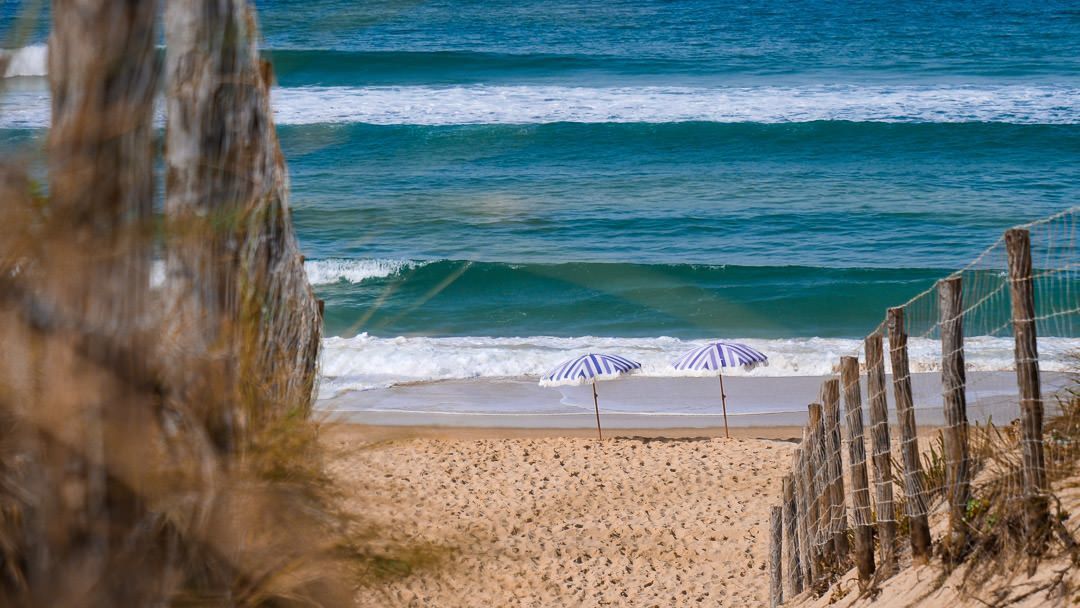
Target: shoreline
[[347, 431], [642, 403]]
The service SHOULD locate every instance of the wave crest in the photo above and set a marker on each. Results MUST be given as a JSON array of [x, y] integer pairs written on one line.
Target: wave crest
[[27, 61], [483, 104], [427, 105], [367, 362], [326, 272]]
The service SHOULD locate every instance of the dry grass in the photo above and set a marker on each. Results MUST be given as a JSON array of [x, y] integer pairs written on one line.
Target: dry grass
[[1000, 538], [933, 482], [156, 445]]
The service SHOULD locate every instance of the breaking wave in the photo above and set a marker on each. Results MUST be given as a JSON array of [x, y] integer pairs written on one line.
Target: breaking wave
[[366, 362]]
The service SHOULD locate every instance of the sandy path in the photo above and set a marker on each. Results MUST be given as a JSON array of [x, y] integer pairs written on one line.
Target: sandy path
[[557, 521]]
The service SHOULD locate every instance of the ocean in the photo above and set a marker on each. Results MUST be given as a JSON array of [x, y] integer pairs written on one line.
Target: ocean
[[485, 188]]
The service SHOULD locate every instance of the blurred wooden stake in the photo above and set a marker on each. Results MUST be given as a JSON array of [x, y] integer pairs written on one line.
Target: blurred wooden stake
[[234, 275]]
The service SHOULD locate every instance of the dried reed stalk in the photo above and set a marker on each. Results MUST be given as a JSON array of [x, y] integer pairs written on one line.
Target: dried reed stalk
[[155, 445]]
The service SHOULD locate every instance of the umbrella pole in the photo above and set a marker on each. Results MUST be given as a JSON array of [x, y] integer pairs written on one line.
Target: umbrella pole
[[723, 401], [597, 407]]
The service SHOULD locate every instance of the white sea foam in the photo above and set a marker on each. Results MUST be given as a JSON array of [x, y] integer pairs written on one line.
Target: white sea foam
[[367, 362], [481, 104], [157, 274], [27, 61], [427, 105], [325, 272]]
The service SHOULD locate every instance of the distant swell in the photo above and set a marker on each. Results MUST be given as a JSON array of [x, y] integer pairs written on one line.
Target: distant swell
[[426, 105], [473, 298], [294, 67], [480, 104]]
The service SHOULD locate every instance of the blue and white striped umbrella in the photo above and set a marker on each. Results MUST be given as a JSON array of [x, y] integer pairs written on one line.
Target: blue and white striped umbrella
[[711, 359], [715, 356], [588, 368]]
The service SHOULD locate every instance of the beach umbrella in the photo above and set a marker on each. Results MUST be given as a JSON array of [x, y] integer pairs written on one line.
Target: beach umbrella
[[711, 360], [590, 368]]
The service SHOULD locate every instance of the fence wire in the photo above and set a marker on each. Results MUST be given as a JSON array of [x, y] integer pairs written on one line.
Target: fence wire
[[908, 476]]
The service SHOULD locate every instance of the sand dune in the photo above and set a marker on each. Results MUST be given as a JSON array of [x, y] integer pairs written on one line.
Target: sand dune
[[539, 520]]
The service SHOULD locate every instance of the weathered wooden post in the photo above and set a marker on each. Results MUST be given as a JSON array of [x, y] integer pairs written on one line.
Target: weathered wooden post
[[882, 452], [1022, 292], [860, 491], [821, 487], [803, 517], [89, 416], [812, 515], [792, 568], [776, 590], [234, 273], [914, 478], [101, 162], [953, 380], [830, 399]]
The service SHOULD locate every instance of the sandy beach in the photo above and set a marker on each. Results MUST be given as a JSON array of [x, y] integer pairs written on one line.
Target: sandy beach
[[469, 516], [547, 517]]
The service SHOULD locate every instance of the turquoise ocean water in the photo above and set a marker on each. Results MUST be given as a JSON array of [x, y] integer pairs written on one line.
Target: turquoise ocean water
[[492, 185]]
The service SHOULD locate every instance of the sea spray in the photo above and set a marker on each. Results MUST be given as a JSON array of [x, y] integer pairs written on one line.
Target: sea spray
[[366, 362], [28, 61], [326, 272], [485, 104], [532, 104]]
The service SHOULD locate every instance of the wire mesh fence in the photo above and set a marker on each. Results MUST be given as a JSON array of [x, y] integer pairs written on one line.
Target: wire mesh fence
[[974, 432]]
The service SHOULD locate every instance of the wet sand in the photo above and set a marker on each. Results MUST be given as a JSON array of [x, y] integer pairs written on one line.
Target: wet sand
[[671, 404]]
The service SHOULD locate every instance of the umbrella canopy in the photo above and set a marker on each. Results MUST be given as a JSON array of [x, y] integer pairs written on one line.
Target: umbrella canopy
[[715, 356], [711, 359], [589, 368]]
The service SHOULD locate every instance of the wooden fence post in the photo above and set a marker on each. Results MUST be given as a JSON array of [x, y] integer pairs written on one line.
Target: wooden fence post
[[821, 487], [882, 452], [1022, 291], [812, 516], [776, 592], [830, 398], [234, 273], [953, 380], [914, 478], [89, 335], [792, 568], [803, 517], [860, 491]]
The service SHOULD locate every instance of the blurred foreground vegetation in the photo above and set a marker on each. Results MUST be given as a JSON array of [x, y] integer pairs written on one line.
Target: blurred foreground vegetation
[[156, 441]]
